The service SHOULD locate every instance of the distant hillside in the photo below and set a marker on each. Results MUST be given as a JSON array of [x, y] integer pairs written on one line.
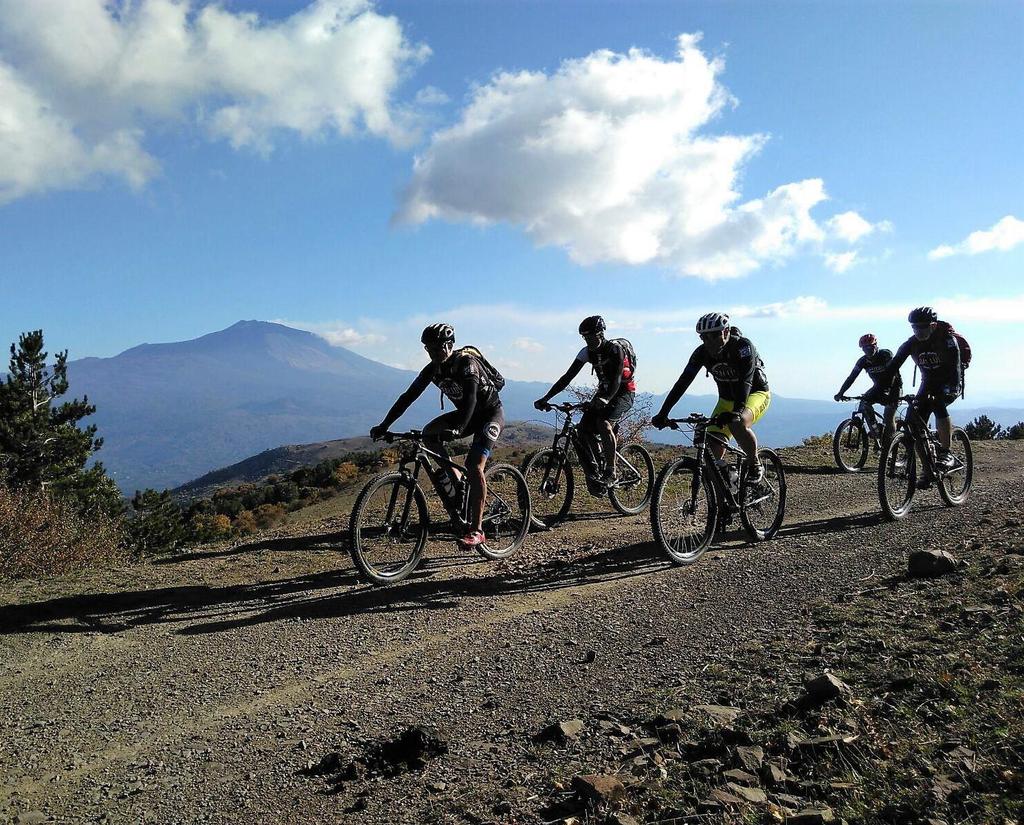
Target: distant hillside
[[169, 413], [285, 459]]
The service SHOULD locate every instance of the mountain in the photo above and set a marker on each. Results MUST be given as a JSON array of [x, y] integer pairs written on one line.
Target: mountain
[[169, 413]]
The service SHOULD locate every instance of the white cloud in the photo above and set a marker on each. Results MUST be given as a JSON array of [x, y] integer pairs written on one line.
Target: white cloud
[[348, 337], [1004, 236], [840, 261], [528, 345], [340, 333], [81, 83], [431, 96], [605, 157], [852, 227]]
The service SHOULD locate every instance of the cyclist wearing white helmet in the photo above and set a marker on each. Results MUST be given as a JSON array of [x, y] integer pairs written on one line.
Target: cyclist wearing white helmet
[[472, 385], [613, 362], [743, 391]]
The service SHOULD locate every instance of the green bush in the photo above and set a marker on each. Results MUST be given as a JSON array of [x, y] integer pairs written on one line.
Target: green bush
[[157, 524]]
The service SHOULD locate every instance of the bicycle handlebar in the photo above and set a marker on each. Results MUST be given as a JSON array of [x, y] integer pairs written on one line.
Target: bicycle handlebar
[[568, 407], [692, 419]]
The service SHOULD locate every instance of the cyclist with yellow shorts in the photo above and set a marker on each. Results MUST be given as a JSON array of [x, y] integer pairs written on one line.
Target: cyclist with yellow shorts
[[743, 391]]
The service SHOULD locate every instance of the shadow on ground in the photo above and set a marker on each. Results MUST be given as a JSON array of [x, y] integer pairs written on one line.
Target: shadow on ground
[[210, 609]]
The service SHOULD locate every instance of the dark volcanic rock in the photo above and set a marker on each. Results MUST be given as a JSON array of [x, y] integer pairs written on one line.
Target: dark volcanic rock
[[930, 563]]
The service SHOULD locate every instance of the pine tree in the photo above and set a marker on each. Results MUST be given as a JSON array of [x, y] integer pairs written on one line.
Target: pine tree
[[983, 428], [41, 444]]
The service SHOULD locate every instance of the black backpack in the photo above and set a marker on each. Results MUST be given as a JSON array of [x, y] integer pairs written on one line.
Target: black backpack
[[495, 378], [630, 353]]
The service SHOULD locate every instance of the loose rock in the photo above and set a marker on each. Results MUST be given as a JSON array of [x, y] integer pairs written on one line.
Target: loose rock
[[599, 787], [930, 563]]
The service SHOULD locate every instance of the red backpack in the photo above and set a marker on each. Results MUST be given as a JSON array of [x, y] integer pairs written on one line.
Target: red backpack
[[965, 347]]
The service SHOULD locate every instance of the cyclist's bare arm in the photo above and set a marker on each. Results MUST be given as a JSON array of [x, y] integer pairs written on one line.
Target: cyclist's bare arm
[[564, 381]]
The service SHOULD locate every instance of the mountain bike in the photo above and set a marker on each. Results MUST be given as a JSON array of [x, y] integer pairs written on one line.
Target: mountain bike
[[550, 476], [390, 522], [914, 441], [855, 437], [696, 496]]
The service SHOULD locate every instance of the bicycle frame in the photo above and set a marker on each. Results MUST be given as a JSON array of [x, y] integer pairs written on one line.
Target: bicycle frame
[[416, 457], [919, 434], [570, 434], [706, 463]]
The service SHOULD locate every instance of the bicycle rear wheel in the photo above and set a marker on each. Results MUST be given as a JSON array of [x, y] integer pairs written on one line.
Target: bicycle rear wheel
[[955, 483], [550, 480], [506, 512], [683, 511], [850, 445], [897, 476], [388, 528], [764, 503], [632, 492]]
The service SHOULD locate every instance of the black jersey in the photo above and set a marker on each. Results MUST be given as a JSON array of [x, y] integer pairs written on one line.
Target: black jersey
[[463, 379], [612, 368], [737, 369], [938, 356], [877, 368]]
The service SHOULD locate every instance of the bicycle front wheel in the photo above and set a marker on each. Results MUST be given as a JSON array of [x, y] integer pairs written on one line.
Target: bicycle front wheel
[[897, 476], [683, 511], [764, 503], [388, 528], [506, 512], [955, 483], [850, 445], [632, 492], [548, 475]]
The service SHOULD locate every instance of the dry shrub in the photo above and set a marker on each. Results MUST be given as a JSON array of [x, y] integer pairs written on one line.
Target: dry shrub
[[41, 536]]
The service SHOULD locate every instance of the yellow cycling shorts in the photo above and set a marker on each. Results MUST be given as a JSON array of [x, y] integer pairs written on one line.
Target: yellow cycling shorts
[[757, 403]]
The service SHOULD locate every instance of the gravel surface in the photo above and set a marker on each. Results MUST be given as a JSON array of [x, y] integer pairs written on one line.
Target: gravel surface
[[209, 687]]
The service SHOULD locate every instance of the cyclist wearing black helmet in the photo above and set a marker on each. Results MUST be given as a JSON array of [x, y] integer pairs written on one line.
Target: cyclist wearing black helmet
[[885, 389], [743, 392], [936, 351], [463, 378], [616, 389]]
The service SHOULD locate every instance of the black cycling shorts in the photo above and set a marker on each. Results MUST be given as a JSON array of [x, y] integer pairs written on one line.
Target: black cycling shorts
[[485, 426], [935, 396], [615, 410], [876, 395]]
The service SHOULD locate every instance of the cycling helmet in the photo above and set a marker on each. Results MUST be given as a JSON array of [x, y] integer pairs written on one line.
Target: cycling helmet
[[592, 324], [437, 334], [867, 340], [923, 315], [712, 322]]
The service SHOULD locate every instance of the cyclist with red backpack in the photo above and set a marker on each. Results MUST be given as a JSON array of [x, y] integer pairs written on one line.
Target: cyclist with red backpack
[[469, 381], [614, 364], [886, 388], [734, 363], [936, 349]]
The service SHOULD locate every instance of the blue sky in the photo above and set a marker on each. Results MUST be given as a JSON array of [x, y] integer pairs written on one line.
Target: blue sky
[[360, 169]]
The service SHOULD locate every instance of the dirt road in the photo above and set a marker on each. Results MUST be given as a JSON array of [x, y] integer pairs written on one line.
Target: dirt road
[[198, 688]]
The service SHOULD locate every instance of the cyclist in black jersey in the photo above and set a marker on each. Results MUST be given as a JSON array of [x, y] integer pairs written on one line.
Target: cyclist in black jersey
[[461, 377], [886, 388], [616, 390], [936, 352], [738, 370]]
